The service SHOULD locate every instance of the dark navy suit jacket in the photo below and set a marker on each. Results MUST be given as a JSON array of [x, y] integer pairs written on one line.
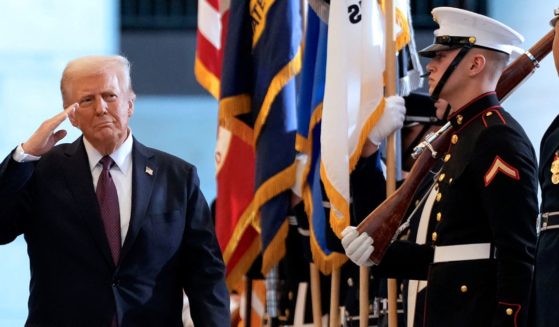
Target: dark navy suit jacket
[[170, 244]]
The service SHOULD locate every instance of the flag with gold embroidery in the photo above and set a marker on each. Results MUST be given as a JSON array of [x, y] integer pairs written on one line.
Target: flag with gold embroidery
[[257, 106], [309, 114], [354, 92], [236, 226], [276, 57]]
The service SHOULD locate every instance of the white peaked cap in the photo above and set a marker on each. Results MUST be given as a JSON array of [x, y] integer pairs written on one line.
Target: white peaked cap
[[459, 28]]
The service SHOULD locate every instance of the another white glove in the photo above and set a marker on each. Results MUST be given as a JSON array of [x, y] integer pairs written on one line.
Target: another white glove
[[301, 163], [357, 247], [392, 119]]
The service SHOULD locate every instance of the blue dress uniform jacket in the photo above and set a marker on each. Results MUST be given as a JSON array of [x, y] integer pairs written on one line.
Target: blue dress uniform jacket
[[487, 195], [546, 287], [170, 244]]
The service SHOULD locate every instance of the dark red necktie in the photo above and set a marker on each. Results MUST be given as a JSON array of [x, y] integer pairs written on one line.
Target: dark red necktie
[[108, 205]]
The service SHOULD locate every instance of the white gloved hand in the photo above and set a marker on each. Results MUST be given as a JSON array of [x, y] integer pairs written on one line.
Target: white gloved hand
[[392, 119], [358, 247], [301, 163]]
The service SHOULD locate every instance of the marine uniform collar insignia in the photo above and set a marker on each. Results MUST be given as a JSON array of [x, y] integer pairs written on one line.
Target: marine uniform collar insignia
[[463, 116]]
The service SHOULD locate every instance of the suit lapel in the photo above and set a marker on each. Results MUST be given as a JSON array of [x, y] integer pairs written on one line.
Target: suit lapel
[[79, 181], [144, 174]]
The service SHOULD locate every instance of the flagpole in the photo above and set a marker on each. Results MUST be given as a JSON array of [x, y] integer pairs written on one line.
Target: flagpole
[[363, 296], [390, 89], [315, 296], [335, 298], [248, 306]]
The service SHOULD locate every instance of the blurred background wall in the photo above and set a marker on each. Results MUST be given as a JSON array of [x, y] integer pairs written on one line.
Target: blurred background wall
[[173, 113]]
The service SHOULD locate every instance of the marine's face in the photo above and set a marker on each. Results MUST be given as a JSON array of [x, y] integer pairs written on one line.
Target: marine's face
[[437, 67]]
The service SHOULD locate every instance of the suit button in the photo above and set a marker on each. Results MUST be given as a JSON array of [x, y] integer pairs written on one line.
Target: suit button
[[441, 177], [447, 157], [488, 114], [350, 282], [439, 216], [439, 196], [463, 288], [454, 139], [434, 236], [509, 311], [459, 119], [450, 180]]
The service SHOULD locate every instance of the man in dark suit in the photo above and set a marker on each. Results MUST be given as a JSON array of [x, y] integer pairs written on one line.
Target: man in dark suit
[[479, 254], [115, 230]]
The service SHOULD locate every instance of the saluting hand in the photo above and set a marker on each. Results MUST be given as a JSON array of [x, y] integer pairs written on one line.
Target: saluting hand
[[45, 137]]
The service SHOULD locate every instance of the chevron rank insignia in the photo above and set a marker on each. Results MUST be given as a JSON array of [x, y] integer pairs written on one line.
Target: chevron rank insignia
[[499, 165]]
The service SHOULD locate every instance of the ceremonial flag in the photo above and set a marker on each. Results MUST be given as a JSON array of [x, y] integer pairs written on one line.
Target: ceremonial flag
[[309, 114], [257, 106], [277, 57], [211, 33], [354, 91], [236, 227]]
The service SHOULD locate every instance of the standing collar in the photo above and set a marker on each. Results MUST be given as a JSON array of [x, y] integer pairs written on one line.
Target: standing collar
[[472, 109], [122, 156]]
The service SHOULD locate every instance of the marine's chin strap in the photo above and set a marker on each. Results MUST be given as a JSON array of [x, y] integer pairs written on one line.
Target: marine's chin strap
[[450, 69]]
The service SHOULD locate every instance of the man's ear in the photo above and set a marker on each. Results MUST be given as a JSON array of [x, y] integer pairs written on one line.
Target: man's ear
[[477, 64], [73, 119], [131, 101]]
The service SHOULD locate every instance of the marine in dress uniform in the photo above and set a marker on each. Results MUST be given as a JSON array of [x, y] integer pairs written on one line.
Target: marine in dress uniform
[[546, 288], [479, 255]]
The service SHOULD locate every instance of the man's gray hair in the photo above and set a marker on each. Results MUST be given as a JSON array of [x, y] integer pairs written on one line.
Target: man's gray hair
[[92, 65]]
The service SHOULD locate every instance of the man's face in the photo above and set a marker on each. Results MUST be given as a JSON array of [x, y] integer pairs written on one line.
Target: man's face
[[105, 107], [437, 66]]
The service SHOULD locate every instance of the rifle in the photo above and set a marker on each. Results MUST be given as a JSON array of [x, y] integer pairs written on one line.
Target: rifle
[[383, 222]]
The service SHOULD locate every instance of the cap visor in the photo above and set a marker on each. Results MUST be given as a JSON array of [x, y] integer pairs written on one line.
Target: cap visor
[[432, 50]]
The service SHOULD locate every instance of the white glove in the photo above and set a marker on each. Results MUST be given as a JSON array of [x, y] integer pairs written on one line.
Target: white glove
[[301, 163], [392, 119], [357, 247]]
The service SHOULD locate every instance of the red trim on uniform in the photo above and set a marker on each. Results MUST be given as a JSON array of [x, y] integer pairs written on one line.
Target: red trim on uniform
[[518, 307], [500, 116], [502, 166], [484, 121], [492, 108], [469, 103]]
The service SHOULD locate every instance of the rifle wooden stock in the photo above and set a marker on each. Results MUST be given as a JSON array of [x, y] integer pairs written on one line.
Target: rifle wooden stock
[[383, 222]]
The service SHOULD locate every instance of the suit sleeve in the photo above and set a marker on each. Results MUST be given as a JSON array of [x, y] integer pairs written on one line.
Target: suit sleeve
[[204, 281], [507, 186], [14, 197]]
